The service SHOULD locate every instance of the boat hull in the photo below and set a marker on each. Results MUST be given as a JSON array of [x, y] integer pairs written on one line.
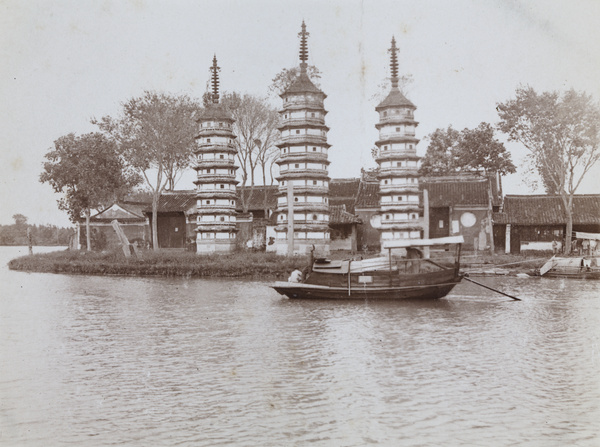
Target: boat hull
[[409, 292]]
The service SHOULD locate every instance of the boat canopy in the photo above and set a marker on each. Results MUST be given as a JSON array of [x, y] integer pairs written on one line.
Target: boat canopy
[[405, 243], [590, 236]]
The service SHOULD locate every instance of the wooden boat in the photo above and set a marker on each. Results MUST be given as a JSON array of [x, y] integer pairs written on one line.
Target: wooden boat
[[410, 277], [579, 267]]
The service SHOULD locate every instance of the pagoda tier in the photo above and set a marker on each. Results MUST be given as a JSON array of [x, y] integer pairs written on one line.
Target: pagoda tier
[[396, 155], [303, 164], [216, 184]]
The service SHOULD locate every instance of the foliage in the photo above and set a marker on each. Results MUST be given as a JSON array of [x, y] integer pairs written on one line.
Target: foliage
[[450, 152], [41, 235], [88, 171], [287, 76], [155, 133], [562, 135], [256, 124]]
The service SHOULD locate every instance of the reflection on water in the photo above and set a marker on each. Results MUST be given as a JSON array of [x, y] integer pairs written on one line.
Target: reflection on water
[[110, 360]]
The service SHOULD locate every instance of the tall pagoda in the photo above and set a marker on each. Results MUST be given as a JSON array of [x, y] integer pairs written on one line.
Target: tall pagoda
[[215, 165], [303, 166], [397, 159]]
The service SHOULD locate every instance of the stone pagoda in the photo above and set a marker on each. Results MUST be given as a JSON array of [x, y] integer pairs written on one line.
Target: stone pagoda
[[215, 165], [397, 159], [302, 203]]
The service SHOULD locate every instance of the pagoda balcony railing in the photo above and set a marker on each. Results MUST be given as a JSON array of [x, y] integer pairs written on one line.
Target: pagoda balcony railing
[[397, 171], [304, 207], [304, 138], [312, 103], [299, 157], [311, 121], [305, 189], [385, 154], [407, 187], [303, 171]]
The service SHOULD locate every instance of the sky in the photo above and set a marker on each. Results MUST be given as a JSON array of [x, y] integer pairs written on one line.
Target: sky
[[65, 62]]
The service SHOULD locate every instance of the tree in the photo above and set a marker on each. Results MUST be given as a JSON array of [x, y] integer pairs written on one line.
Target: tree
[[287, 76], [155, 134], [450, 152], [562, 135], [438, 158], [256, 124], [20, 220], [89, 172]]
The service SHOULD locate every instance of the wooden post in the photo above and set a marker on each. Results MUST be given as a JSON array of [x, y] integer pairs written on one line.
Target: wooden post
[[30, 240], [426, 221], [127, 247], [290, 202]]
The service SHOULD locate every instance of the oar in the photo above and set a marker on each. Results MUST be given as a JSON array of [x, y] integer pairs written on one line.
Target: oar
[[491, 288]]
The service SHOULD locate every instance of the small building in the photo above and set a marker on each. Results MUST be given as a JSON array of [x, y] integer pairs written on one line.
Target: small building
[[533, 222], [176, 220], [130, 216], [461, 204]]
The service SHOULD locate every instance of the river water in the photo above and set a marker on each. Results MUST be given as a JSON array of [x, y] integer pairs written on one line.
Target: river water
[[98, 361]]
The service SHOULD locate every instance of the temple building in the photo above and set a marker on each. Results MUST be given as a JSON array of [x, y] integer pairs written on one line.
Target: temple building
[[303, 166], [397, 159], [216, 184]]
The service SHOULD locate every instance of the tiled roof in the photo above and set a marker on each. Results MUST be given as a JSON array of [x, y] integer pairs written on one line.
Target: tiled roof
[[444, 193], [368, 195], [214, 111], [174, 201], [121, 211], [395, 98], [258, 197], [343, 191], [548, 210], [302, 84], [338, 215]]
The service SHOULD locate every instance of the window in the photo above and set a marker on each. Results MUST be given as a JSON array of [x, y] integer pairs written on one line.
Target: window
[[222, 186], [315, 217], [312, 114], [208, 140], [385, 113], [297, 131], [208, 202], [220, 124], [385, 148], [221, 156], [410, 146], [397, 129], [441, 224], [208, 171], [314, 149], [295, 199], [314, 182], [222, 219], [387, 217], [297, 165], [385, 182]]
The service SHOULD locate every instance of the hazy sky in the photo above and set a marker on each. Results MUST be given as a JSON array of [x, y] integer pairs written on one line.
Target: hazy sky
[[64, 62]]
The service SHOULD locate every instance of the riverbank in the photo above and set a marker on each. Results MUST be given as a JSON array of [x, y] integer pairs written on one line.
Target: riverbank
[[164, 263], [235, 265]]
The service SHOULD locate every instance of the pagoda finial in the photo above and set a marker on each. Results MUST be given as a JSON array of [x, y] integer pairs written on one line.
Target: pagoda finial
[[394, 63], [215, 80], [303, 48]]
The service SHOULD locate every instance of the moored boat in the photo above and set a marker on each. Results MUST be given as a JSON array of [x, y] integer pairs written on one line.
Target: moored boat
[[579, 267], [391, 277]]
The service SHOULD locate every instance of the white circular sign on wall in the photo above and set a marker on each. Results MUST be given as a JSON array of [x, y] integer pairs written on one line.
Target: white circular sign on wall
[[468, 219]]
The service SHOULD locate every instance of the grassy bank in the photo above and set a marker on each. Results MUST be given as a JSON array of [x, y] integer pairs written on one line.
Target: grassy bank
[[236, 265], [186, 264]]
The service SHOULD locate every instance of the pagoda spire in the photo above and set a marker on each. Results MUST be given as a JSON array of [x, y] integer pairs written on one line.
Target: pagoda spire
[[303, 48], [215, 80], [394, 63]]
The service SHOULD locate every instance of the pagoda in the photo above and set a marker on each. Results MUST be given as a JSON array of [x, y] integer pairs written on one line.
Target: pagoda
[[216, 184], [303, 166], [397, 160]]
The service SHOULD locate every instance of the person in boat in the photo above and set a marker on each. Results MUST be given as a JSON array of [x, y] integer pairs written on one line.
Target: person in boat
[[295, 276], [417, 255]]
